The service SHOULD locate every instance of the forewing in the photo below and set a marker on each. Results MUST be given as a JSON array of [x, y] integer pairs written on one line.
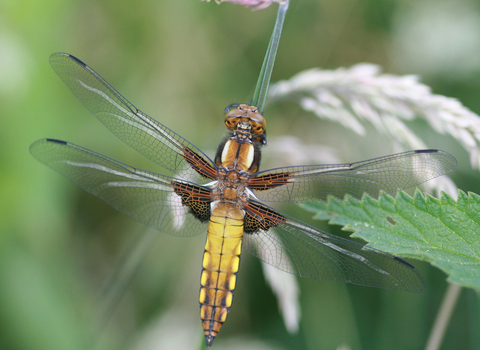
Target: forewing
[[315, 183], [158, 201], [129, 124], [303, 250]]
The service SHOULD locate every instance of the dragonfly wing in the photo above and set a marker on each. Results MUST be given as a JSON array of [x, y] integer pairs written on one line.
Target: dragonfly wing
[[295, 247], [158, 201], [129, 124], [315, 183]]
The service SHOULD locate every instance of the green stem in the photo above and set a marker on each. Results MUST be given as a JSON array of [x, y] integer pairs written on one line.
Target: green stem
[[263, 82], [443, 318]]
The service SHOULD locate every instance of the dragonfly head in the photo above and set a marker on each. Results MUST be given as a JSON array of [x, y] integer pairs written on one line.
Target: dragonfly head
[[246, 118]]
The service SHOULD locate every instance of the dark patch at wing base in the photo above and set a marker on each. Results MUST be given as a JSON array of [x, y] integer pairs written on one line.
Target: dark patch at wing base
[[138, 130], [315, 183], [305, 251], [259, 217], [269, 181], [196, 198], [199, 164]]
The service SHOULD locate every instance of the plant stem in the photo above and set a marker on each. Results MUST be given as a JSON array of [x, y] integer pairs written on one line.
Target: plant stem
[[443, 317], [263, 82]]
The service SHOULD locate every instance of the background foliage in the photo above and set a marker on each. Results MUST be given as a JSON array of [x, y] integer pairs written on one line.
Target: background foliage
[[182, 62]]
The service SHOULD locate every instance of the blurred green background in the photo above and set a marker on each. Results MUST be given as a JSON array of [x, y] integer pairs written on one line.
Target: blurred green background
[[182, 62]]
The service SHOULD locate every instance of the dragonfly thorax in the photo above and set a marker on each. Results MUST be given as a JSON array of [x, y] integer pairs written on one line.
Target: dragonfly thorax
[[237, 158], [241, 151], [231, 186]]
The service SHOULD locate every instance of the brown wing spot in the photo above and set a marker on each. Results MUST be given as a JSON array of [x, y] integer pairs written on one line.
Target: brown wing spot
[[259, 217], [199, 164], [196, 198], [266, 182]]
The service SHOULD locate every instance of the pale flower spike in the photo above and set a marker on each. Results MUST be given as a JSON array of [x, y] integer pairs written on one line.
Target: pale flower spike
[[260, 4], [361, 94]]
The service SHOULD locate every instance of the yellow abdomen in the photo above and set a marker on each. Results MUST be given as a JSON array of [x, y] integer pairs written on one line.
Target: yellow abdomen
[[220, 266]]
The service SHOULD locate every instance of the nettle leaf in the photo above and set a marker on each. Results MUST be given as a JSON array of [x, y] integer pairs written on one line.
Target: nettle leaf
[[444, 232]]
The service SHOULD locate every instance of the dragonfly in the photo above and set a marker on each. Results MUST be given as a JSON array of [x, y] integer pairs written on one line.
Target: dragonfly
[[226, 196]]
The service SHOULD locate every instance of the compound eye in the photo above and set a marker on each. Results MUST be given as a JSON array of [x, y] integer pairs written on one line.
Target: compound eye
[[258, 123], [231, 123], [258, 129]]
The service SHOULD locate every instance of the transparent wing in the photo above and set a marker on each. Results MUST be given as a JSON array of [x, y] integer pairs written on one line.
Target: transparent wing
[[303, 250], [129, 124], [314, 183], [145, 196]]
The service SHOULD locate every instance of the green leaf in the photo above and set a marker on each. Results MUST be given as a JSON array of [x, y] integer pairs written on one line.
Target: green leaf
[[444, 232]]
